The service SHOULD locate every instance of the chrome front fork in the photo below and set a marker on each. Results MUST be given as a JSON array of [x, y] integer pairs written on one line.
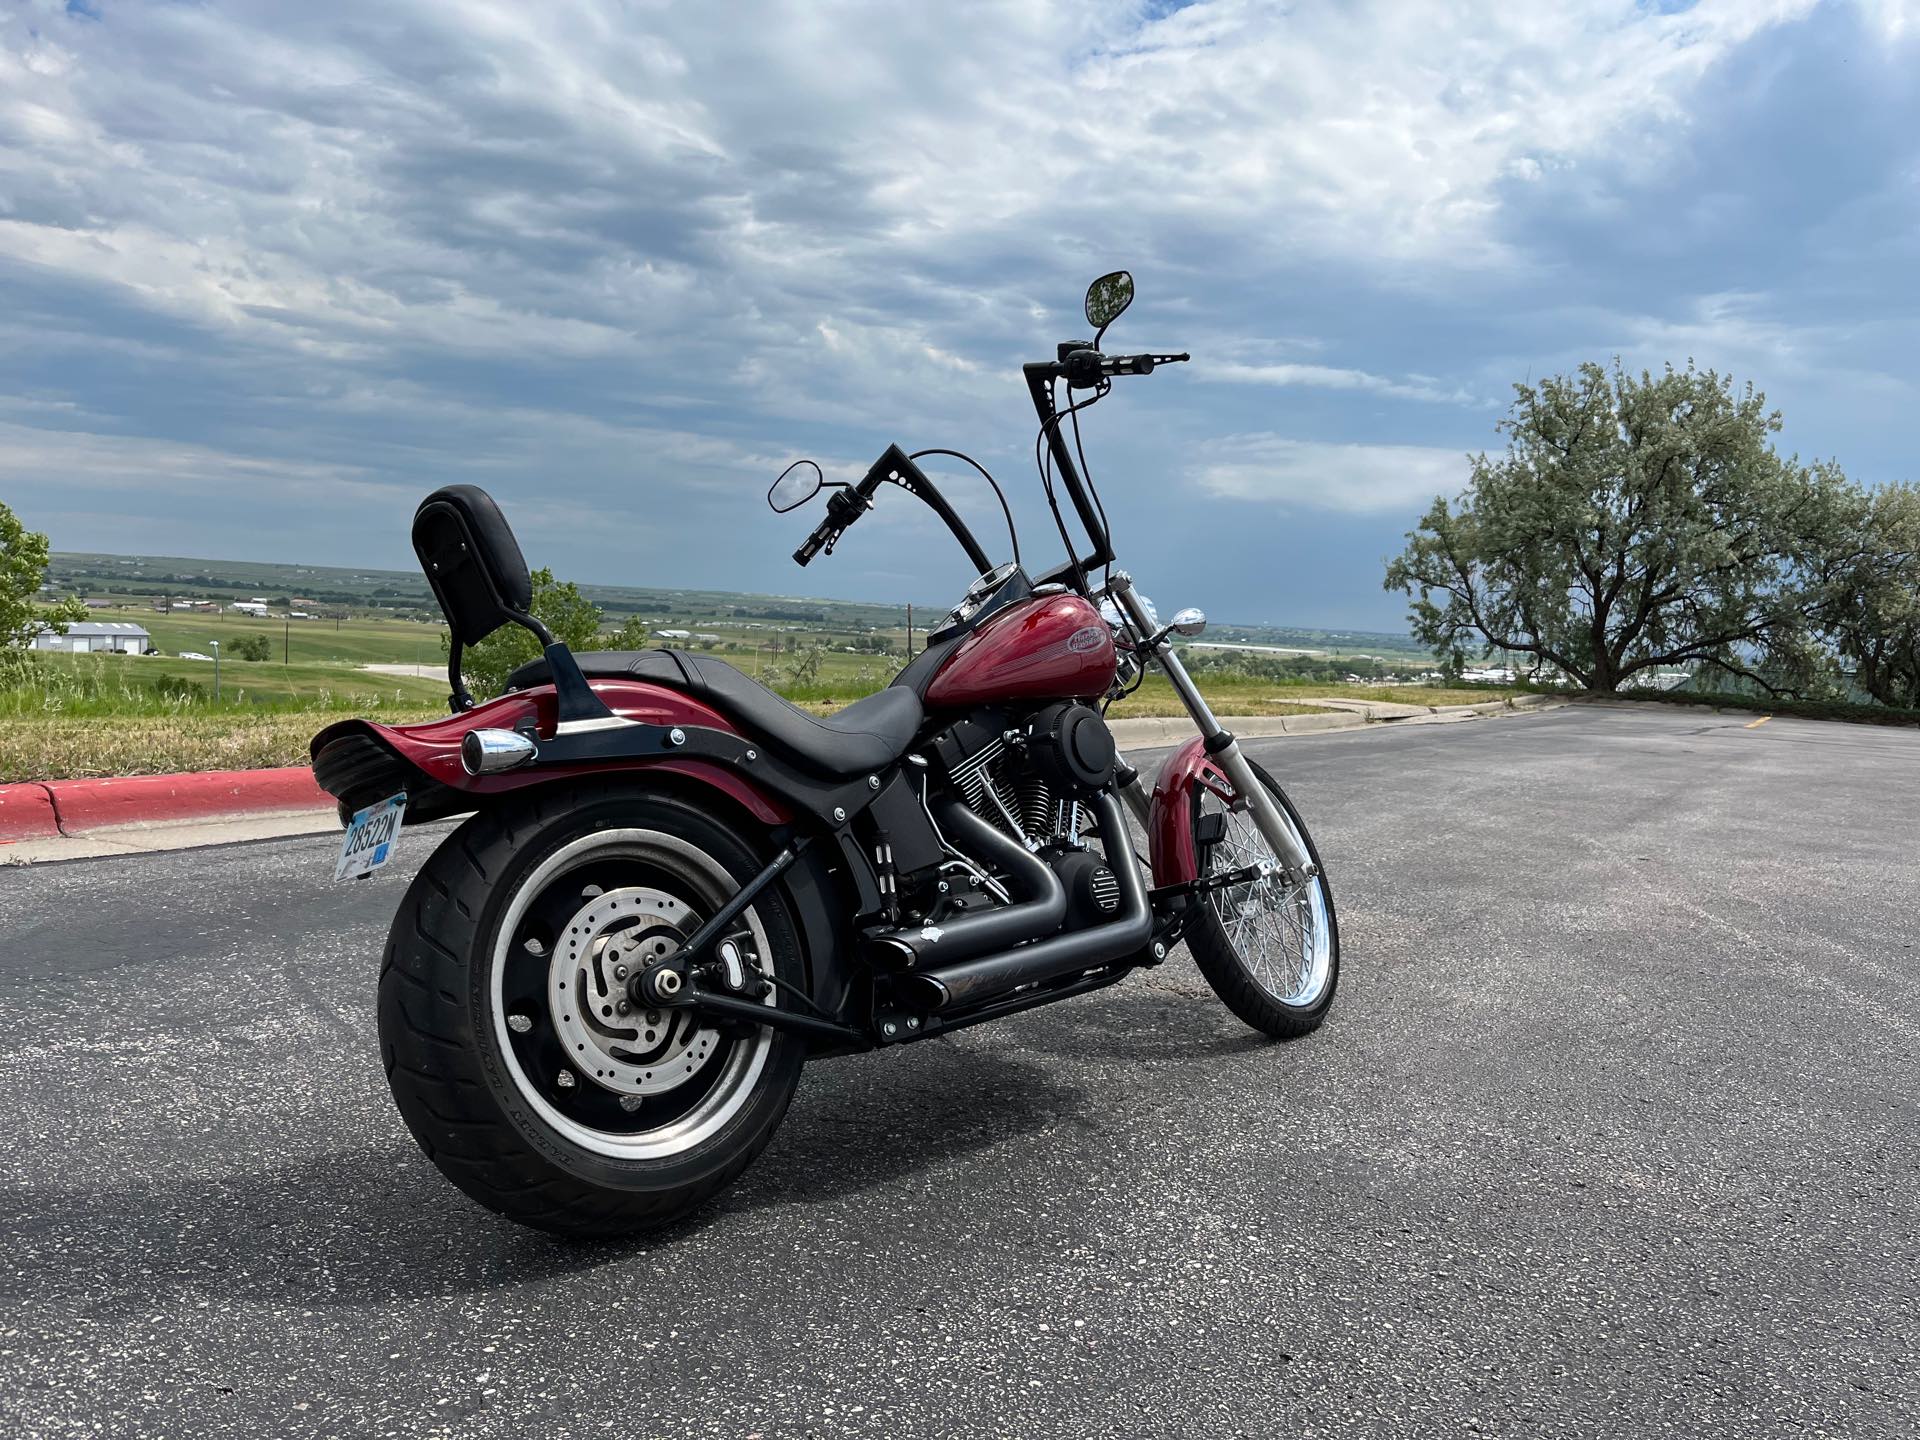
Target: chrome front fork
[[1221, 746]]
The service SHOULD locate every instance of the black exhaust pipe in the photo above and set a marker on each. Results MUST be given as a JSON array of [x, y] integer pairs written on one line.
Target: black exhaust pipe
[[944, 986], [1040, 908]]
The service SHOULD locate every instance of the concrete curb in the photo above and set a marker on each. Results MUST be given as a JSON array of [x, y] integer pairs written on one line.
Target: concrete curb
[[26, 813], [1352, 715], [180, 835], [1177, 729], [57, 808]]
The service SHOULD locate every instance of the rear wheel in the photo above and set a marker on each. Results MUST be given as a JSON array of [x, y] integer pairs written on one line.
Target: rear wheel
[[513, 1051], [1270, 950]]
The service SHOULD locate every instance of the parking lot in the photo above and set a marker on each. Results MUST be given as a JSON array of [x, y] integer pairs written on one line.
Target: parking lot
[[1611, 1132]]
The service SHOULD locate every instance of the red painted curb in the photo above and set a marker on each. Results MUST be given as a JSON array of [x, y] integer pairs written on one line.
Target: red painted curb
[[153, 799], [26, 813]]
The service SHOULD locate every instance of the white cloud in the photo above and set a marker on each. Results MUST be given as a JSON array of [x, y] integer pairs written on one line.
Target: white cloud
[[107, 464], [1895, 20], [582, 179], [1330, 377], [1742, 334], [1318, 475]]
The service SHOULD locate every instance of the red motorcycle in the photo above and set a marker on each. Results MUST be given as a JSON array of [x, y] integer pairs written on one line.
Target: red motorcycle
[[674, 888]]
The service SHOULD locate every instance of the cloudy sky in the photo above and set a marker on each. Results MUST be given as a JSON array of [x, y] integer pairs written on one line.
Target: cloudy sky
[[269, 272]]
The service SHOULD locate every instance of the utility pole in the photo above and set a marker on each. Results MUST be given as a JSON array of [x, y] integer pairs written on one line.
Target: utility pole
[[286, 638], [216, 670], [909, 630]]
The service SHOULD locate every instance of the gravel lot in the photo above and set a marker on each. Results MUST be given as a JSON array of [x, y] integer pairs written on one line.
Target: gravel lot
[[1612, 1132]]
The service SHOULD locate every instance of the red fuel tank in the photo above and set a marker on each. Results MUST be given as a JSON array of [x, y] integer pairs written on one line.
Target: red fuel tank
[[1052, 647]]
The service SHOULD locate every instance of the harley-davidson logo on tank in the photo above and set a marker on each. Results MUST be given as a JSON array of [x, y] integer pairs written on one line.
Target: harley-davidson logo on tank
[[1054, 647]]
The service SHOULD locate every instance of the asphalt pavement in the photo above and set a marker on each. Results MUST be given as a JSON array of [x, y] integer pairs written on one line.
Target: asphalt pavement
[[1611, 1132]]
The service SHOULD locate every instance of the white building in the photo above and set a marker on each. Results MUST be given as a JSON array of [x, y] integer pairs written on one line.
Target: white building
[[255, 608], [97, 636]]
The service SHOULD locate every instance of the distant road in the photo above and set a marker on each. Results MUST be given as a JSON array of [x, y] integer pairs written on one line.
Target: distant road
[[425, 671], [1259, 649], [1612, 1132]]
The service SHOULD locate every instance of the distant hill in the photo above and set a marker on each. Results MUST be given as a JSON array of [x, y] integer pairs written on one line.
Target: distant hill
[[404, 593]]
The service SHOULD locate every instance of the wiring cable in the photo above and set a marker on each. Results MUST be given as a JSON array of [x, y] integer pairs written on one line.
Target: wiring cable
[[1005, 509]]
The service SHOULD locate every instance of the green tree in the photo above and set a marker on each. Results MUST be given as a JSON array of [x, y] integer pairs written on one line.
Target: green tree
[[23, 569], [1871, 605], [251, 647], [632, 635], [1633, 522], [571, 617]]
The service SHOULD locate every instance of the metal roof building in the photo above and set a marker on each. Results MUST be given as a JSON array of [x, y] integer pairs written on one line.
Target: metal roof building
[[101, 636]]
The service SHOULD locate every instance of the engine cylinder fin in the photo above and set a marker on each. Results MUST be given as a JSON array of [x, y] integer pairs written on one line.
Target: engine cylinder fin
[[974, 774]]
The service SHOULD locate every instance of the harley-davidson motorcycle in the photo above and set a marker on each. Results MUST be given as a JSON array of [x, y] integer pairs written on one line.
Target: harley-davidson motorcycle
[[674, 888]]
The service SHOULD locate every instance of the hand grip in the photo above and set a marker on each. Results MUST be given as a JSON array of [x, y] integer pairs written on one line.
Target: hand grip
[[821, 535]]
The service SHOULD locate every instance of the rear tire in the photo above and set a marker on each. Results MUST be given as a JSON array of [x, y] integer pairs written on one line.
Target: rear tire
[[1285, 994], [481, 970]]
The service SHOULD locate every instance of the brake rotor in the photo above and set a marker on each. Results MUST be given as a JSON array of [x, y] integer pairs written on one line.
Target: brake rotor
[[620, 1046]]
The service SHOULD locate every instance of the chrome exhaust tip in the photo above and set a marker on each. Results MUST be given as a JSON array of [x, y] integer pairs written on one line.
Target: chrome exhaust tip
[[488, 752], [926, 991]]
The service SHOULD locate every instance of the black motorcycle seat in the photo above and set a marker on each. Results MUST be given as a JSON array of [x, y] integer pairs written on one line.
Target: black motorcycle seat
[[866, 736]]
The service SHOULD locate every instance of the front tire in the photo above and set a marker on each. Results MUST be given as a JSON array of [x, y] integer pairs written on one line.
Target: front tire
[[1270, 952], [589, 1119]]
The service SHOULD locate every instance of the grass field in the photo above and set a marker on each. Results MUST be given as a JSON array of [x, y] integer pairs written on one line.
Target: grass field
[[64, 747], [353, 642], [93, 715], [129, 685], [89, 715]]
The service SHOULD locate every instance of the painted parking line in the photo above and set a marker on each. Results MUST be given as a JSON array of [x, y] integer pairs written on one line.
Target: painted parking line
[[1757, 723]]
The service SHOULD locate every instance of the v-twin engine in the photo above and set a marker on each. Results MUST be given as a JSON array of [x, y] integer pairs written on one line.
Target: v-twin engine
[[1030, 781]]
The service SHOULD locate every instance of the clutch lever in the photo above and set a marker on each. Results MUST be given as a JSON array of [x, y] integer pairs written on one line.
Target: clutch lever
[[843, 509]]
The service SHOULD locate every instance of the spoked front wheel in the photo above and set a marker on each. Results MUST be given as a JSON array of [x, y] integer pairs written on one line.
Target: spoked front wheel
[[1270, 950]]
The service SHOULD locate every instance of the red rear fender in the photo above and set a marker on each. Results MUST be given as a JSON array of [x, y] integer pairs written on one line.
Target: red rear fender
[[360, 761]]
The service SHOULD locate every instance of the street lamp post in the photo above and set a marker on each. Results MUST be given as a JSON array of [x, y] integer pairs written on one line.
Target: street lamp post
[[216, 670]]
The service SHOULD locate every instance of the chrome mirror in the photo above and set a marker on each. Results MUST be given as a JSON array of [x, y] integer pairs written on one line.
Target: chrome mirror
[[798, 483], [1189, 622], [1107, 298]]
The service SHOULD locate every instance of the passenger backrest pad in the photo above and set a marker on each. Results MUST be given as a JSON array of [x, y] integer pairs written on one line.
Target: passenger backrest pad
[[471, 560]]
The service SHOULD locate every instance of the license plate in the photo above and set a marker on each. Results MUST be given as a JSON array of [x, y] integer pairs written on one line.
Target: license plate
[[371, 837]]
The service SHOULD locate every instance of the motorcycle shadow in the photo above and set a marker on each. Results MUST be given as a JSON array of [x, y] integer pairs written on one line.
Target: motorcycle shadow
[[1169, 1016], [376, 1223], [862, 1122]]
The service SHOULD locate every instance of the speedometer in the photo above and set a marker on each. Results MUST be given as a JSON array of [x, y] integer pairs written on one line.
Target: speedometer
[[978, 593], [986, 584]]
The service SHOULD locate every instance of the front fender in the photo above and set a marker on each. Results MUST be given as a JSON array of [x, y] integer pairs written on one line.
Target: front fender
[[1170, 815], [361, 761]]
